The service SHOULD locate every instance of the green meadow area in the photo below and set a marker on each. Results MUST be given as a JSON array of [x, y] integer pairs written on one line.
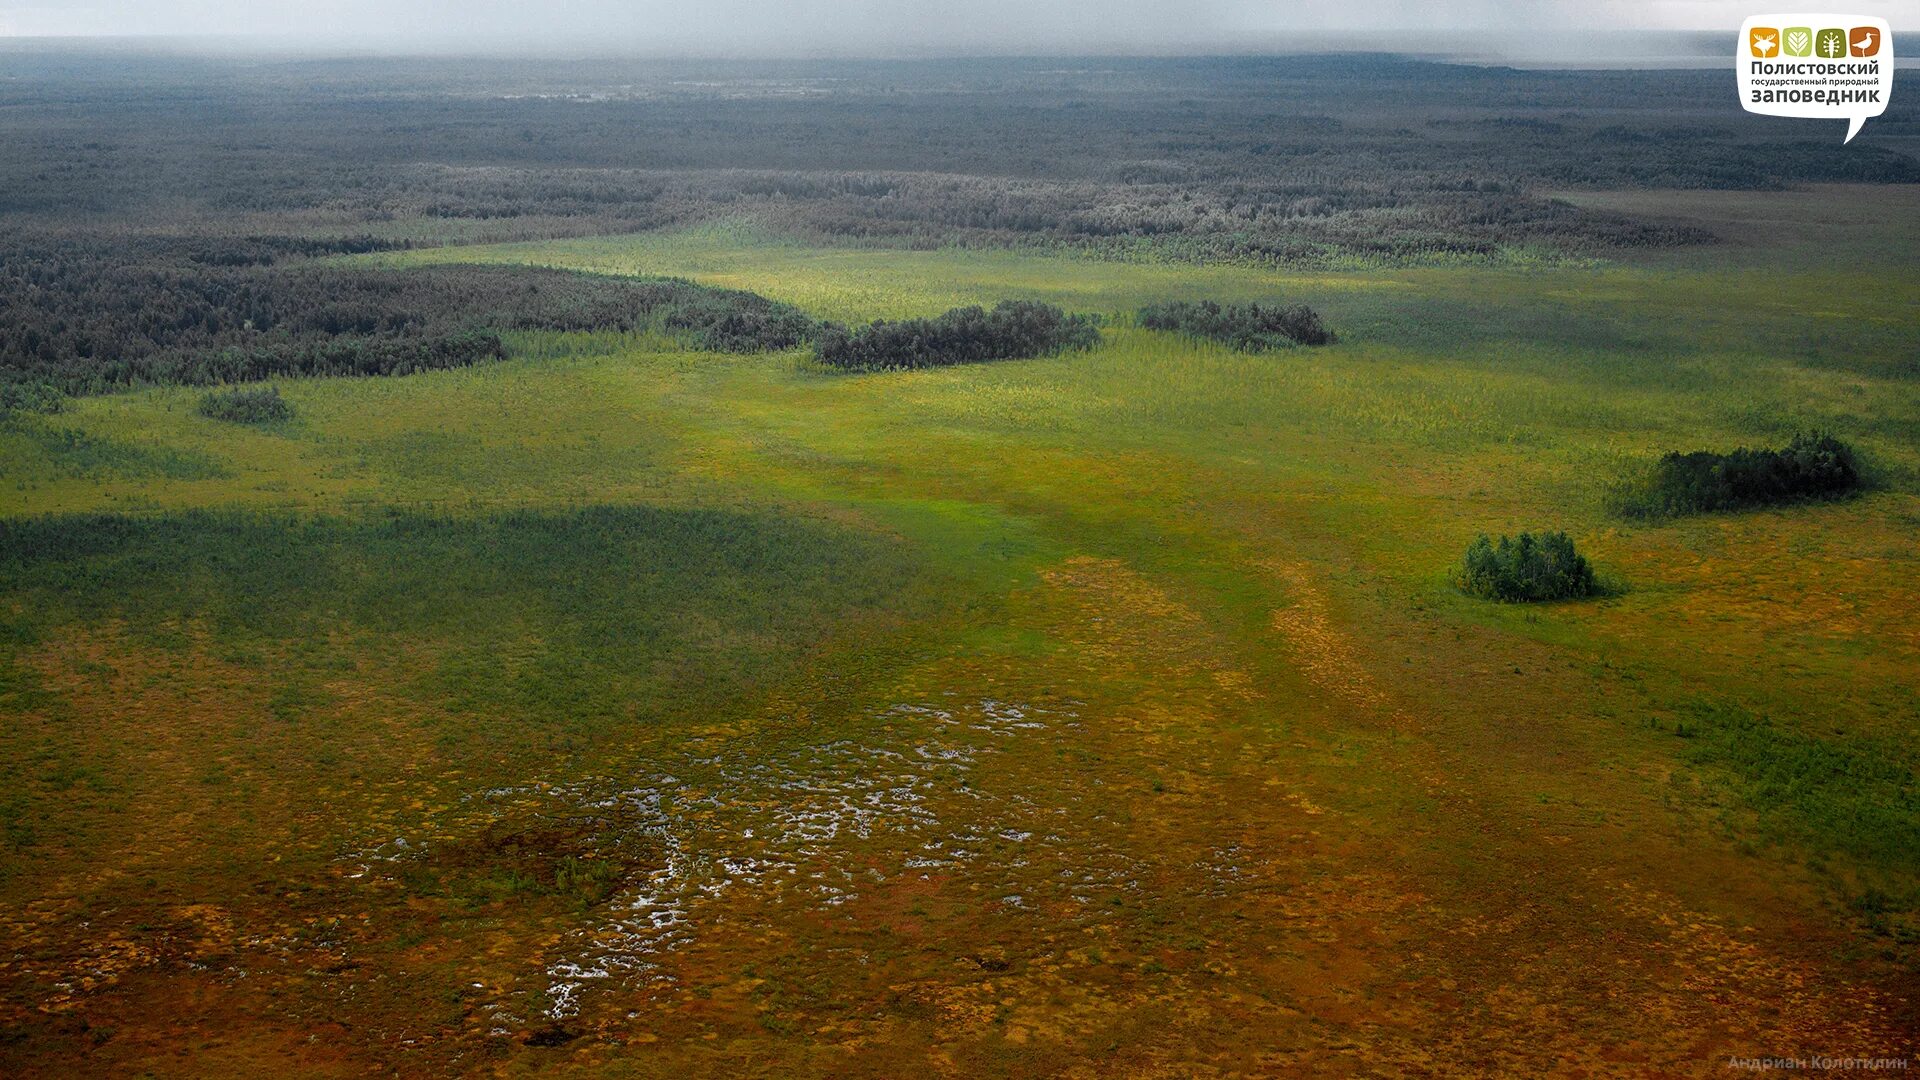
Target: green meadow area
[[625, 710]]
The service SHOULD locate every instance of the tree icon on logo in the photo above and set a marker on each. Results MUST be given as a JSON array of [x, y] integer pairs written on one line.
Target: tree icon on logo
[[1830, 44], [1797, 41]]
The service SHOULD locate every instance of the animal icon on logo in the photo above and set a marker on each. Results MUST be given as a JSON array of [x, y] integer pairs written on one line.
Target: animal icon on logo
[[1766, 42]]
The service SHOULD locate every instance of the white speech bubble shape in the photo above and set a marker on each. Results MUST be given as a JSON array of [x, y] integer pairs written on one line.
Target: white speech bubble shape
[[1816, 66]]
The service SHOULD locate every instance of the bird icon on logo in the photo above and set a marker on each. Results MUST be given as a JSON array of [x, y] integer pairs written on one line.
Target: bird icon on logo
[[1864, 41], [1764, 41]]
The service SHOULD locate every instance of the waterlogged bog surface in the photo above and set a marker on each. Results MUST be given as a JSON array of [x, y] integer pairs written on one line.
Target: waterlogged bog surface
[[620, 708], [737, 838]]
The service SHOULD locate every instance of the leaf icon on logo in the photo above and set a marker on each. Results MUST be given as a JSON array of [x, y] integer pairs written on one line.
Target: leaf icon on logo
[[1797, 41]]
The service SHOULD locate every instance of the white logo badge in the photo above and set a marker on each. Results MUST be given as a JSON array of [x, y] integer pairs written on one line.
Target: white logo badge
[[1816, 66]]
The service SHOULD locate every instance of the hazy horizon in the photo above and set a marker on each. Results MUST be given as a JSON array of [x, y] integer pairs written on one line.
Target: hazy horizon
[[1558, 31], [1619, 49]]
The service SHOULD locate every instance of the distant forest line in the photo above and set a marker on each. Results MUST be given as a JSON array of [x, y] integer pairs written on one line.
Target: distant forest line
[[151, 207], [1284, 159]]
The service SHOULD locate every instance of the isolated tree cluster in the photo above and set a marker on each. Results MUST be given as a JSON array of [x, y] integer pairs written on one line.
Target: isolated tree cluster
[[1246, 327], [1525, 569], [1813, 465], [969, 335]]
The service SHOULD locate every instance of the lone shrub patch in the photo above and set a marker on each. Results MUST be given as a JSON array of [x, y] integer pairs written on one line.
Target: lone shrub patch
[[246, 405]]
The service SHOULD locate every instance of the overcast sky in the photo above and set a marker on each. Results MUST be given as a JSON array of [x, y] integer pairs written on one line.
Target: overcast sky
[[869, 26]]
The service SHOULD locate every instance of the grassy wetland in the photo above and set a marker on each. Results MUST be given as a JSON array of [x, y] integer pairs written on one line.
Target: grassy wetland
[[618, 707]]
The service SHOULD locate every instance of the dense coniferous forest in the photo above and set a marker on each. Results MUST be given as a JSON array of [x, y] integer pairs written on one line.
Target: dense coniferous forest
[[1289, 159], [75, 319]]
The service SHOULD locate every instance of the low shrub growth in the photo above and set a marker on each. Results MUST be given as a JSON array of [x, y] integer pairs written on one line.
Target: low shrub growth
[[1849, 793], [1014, 329], [1526, 569], [246, 405], [1812, 466], [1851, 796], [1248, 328], [589, 619], [31, 397]]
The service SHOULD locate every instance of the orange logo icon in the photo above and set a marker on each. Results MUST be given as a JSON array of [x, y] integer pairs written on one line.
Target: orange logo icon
[[1764, 41], [1863, 41]]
